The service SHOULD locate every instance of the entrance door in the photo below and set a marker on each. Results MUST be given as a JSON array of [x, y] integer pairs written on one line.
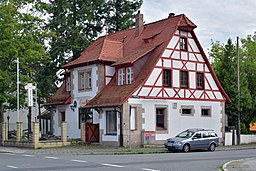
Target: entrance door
[[92, 133]]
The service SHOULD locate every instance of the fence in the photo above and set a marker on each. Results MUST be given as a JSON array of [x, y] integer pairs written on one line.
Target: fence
[[244, 139], [33, 140]]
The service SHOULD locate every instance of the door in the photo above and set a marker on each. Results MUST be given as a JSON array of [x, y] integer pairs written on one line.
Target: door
[[91, 133]]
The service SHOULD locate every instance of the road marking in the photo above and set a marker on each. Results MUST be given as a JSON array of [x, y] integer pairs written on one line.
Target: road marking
[[10, 154], [27, 155], [80, 161], [111, 165], [150, 169], [13, 167], [48, 157]]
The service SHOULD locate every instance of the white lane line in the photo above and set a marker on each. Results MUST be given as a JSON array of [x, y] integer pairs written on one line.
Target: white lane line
[[13, 167], [10, 154], [111, 165], [80, 161], [28, 155], [150, 169], [48, 157]]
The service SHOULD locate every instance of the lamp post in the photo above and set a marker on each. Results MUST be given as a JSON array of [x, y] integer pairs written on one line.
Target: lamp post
[[8, 120], [18, 90]]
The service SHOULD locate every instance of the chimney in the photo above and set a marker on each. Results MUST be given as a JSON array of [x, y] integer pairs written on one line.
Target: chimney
[[171, 15], [138, 23]]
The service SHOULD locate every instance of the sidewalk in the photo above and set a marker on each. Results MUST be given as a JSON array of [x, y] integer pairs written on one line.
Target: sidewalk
[[248, 164]]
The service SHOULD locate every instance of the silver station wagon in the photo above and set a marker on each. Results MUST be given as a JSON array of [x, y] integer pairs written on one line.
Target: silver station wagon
[[193, 139]]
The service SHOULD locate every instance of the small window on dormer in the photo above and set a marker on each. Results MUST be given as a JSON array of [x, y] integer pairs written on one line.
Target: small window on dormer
[[129, 75], [121, 76], [183, 43], [68, 84]]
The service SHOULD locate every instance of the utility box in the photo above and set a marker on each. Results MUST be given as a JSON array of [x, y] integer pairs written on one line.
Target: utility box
[[148, 137]]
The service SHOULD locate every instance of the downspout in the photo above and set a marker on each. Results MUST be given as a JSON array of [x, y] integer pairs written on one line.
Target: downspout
[[121, 139]]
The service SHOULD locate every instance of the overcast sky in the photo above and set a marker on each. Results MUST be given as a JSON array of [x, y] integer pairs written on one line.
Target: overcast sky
[[216, 20]]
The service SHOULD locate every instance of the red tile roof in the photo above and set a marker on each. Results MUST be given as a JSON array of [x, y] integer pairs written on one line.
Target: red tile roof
[[60, 97], [125, 47], [135, 47]]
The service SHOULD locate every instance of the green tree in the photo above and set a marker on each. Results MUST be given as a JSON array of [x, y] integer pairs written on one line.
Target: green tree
[[225, 66], [77, 23], [121, 14], [249, 67], [20, 37]]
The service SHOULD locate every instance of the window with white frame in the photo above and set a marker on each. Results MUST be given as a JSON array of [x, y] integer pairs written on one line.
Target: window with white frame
[[111, 122], [133, 119], [129, 75], [121, 76], [68, 84], [85, 80]]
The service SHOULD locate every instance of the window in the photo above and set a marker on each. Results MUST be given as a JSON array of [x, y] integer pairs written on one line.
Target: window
[[206, 111], [200, 80], [184, 79], [183, 43], [161, 118], [133, 118], [111, 122], [167, 77], [125, 76], [85, 80], [68, 84], [121, 76], [187, 110], [129, 75]]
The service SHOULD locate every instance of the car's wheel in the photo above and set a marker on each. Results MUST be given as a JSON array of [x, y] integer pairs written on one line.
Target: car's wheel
[[186, 148], [212, 147]]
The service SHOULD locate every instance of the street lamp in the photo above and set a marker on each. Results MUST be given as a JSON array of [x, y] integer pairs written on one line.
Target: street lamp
[[18, 90], [8, 119]]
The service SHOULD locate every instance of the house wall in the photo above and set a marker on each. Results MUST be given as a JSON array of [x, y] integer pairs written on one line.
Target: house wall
[[112, 140], [175, 120]]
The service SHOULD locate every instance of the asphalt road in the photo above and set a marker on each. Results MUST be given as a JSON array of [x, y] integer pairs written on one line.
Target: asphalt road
[[192, 161]]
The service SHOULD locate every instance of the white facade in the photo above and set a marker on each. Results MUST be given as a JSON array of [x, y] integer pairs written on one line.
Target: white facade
[[176, 121]]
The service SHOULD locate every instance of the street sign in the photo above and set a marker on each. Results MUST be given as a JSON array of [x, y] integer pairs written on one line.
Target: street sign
[[30, 89]]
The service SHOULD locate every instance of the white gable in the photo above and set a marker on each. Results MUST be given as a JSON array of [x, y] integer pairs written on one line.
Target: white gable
[[175, 60]]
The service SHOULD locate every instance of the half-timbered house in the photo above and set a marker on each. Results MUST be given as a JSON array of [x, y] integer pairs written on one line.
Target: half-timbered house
[[142, 85]]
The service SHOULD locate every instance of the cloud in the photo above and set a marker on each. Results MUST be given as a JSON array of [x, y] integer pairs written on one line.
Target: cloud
[[217, 20]]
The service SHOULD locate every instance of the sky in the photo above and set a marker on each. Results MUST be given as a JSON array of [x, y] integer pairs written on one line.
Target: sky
[[216, 20]]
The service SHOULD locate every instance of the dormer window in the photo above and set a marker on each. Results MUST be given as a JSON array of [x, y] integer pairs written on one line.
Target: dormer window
[[129, 75], [125, 76], [121, 76], [68, 84], [183, 43]]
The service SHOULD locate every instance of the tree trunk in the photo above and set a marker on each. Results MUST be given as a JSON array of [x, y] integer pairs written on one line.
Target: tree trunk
[[1, 116], [1, 113]]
